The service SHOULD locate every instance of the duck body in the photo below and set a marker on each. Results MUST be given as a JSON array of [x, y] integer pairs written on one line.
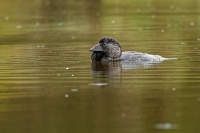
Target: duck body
[[137, 56], [109, 49]]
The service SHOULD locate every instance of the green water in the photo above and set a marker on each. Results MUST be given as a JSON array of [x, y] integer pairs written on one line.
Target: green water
[[48, 83]]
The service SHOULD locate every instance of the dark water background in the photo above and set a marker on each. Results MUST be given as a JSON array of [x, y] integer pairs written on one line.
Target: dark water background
[[49, 85]]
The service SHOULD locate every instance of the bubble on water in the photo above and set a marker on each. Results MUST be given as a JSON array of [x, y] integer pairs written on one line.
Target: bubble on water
[[74, 90], [98, 13], [47, 2], [165, 126], [153, 16], [168, 25], [172, 6], [67, 68], [140, 29], [58, 74], [60, 24], [66, 95], [192, 23], [123, 115], [73, 37], [7, 18], [113, 21], [72, 75], [183, 15], [98, 84], [18, 26], [138, 10], [37, 23]]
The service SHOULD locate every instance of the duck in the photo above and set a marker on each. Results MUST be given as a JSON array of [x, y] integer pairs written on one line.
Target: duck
[[109, 49]]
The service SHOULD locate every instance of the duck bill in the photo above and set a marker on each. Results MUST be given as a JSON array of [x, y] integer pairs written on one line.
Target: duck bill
[[96, 48]]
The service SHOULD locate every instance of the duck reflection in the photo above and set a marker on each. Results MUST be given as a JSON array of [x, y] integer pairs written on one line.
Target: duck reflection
[[109, 74], [115, 68]]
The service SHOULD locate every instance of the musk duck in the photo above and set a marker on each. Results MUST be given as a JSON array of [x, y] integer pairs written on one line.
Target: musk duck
[[109, 49]]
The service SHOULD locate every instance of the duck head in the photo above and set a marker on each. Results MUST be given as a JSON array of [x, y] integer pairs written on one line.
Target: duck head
[[108, 49]]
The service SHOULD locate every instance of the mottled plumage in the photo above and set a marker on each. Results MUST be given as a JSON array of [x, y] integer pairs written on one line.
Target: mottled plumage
[[109, 49]]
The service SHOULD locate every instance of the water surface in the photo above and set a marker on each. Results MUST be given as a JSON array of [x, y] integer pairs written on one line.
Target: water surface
[[49, 84]]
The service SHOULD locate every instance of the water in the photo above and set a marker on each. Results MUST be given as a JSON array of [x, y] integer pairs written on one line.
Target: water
[[48, 83]]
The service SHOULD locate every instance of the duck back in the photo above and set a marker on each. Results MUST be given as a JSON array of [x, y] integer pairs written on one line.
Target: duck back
[[137, 56]]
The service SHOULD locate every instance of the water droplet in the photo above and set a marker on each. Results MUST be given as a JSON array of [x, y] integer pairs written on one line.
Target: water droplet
[[72, 75], [67, 68]]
